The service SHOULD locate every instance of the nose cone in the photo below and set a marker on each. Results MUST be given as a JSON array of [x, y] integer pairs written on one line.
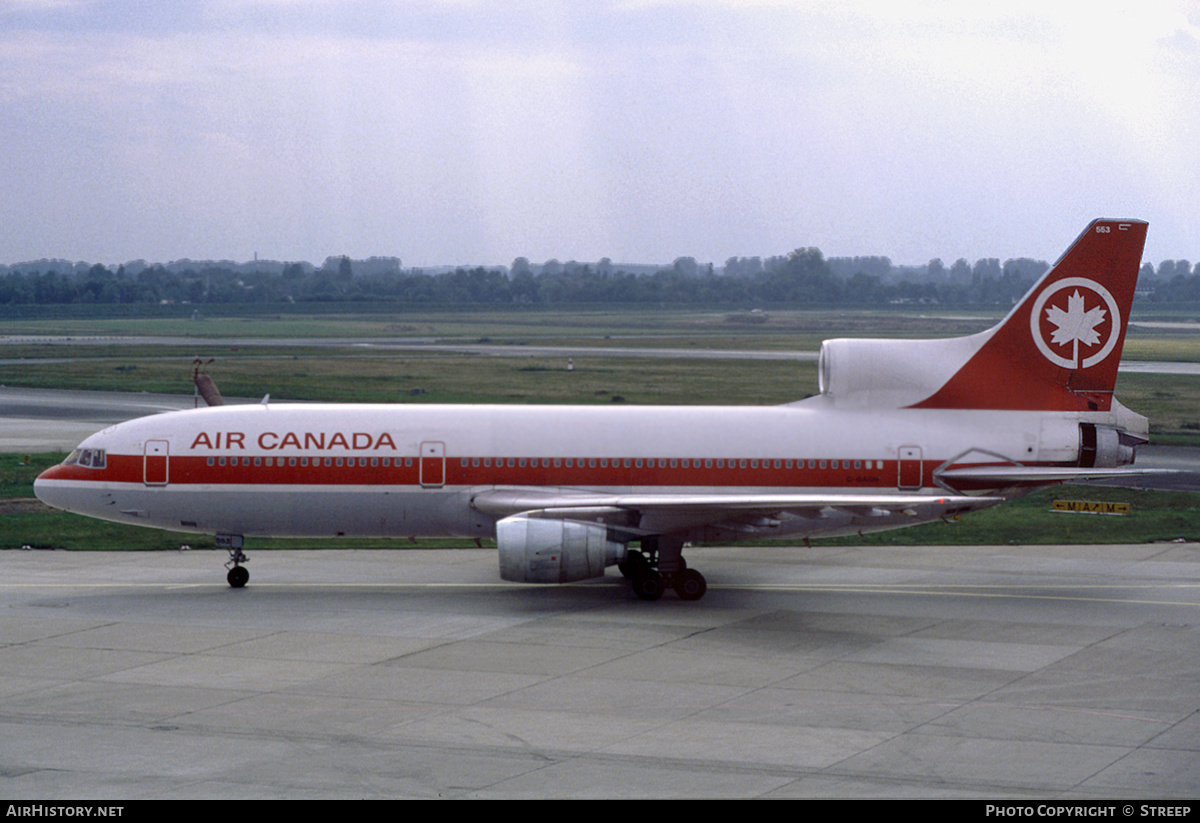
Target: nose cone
[[49, 488]]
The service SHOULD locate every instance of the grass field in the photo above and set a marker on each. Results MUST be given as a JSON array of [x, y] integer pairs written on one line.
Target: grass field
[[352, 373], [514, 325]]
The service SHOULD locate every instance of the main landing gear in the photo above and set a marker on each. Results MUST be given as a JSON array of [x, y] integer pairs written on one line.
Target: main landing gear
[[238, 575], [660, 566]]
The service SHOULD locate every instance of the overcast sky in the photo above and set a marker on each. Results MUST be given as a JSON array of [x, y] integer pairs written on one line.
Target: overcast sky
[[459, 132]]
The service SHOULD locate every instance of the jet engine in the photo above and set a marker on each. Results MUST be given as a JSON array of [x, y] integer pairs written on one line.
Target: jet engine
[[857, 373], [533, 550], [1102, 446]]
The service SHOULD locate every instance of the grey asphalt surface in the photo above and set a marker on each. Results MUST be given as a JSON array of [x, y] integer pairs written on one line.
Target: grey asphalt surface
[[1055, 672]]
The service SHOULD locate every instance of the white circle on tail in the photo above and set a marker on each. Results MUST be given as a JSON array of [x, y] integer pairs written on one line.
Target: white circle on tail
[[1075, 318]]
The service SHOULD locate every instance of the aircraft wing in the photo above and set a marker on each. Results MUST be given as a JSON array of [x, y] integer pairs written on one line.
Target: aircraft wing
[[640, 513]]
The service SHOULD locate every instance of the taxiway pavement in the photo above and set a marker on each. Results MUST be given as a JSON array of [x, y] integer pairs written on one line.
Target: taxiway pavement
[[978, 672]]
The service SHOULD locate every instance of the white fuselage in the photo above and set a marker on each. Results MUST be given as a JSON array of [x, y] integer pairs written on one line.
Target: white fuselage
[[408, 470]]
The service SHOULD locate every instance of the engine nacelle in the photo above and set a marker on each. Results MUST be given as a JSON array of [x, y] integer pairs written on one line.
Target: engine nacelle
[[533, 550], [1101, 446], [857, 373]]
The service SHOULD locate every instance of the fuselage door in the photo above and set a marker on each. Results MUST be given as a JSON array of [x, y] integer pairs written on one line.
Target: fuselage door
[[155, 463], [433, 464], [908, 473]]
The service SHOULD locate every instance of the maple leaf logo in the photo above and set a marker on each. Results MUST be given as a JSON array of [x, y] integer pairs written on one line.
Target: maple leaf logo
[[1098, 329], [1075, 325]]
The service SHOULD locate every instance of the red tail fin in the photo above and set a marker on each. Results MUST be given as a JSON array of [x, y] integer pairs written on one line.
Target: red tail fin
[[1058, 350]]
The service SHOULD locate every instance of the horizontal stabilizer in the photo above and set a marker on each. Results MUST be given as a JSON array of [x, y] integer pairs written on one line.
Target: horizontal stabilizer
[[993, 476]]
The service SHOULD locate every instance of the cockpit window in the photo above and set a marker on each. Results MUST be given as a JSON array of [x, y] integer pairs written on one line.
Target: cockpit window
[[91, 458]]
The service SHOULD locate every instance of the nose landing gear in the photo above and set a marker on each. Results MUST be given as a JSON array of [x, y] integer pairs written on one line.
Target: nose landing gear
[[238, 575]]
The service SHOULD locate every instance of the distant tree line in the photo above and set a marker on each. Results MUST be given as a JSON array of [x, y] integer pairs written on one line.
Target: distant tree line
[[803, 277]]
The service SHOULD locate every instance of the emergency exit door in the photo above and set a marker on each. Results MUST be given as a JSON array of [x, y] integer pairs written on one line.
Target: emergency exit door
[[908, 472], [433, 464], [155, 463]]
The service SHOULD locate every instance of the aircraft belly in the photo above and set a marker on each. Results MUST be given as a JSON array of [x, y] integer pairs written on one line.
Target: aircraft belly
[[279, 511], [372, 511], [350, 512]]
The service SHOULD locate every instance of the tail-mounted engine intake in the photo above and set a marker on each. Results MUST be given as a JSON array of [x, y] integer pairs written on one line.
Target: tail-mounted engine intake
[[1102, 447], [858, 373], [533, 550]]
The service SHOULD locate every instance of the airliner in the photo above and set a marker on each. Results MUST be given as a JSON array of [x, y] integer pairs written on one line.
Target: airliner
[[902, 432]]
